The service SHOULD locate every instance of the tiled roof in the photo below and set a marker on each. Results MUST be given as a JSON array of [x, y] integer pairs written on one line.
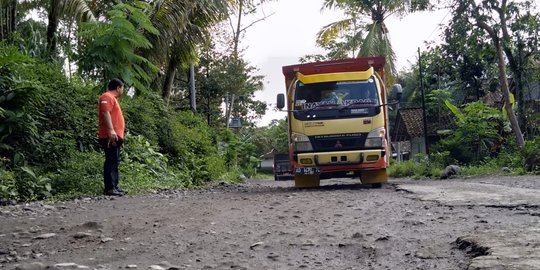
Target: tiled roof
[[494, 99], [409, 125]]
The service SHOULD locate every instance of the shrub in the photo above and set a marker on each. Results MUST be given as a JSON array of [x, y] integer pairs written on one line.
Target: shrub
[[187, 140], [402, 169], [81, 174], [8, 186], [479, 128], [143, 167], [419, 167], [142, 114], [32, 186]]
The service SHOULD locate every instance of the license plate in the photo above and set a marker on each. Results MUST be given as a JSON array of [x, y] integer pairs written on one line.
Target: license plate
[[307, 170]]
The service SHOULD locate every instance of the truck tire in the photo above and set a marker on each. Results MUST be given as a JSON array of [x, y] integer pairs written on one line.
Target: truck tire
[[376, 185], [374, 176], [307, 181]]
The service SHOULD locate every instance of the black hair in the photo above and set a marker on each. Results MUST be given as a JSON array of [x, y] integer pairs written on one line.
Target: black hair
[[114, 84]]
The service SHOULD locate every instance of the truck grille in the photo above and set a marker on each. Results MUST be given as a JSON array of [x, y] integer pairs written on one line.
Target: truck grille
[[338, 142]]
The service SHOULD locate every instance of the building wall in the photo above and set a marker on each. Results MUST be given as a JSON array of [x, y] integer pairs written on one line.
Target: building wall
[[417, 146], [267, 165]]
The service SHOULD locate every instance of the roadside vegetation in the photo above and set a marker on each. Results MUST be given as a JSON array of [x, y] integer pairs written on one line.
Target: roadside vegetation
[[57, 56], [482, 82]]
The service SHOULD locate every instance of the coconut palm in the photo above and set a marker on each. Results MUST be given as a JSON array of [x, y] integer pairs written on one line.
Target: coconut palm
[[8, 19], [77, 10], [56, 9], [377, 41], [182, 24]]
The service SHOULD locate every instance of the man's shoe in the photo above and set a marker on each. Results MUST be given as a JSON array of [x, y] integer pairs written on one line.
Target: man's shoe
[[113, 192], [123, 191]]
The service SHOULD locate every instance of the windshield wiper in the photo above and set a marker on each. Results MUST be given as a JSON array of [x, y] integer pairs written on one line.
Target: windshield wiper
[[318, 106], [356, 103]]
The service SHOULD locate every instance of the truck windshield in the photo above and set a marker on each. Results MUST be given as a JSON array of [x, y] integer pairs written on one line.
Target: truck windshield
[[329, 95]]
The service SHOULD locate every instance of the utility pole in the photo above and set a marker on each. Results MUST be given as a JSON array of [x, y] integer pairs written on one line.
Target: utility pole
[[424, 118]]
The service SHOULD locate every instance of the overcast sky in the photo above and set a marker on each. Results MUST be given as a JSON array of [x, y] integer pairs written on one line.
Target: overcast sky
[[290, 33]]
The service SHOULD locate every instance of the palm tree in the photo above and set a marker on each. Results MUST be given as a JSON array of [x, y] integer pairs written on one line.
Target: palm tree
[[183, 25], [377, 41], [8, 17], [57, 9]]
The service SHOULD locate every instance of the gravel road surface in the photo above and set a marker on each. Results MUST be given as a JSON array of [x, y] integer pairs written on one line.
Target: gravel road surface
[[478, 223]]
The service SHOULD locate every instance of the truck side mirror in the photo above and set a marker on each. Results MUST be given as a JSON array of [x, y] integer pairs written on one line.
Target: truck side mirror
[[398, 90], [280, 101]]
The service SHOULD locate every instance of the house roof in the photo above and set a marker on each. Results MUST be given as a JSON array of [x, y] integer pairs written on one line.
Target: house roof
[[409, 124], [494, 99]]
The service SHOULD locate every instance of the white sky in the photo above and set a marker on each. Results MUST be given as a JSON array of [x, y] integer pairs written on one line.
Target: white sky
[[290, 33]]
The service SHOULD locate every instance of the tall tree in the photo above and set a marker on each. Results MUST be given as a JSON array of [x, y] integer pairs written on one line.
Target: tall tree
[[111, 48], [339, 39], [57, 9], [241, 9], [513, 31], [183, 26], [8, 17], [377, 41]]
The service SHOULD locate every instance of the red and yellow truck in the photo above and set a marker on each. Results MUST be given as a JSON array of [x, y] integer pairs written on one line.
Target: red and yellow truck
[[338, 120]]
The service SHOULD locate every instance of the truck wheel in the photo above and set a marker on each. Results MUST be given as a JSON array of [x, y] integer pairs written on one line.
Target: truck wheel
[[376, 185], [304, 181], [374, 176]]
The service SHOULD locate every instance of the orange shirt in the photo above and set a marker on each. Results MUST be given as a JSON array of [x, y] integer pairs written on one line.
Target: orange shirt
[[109, 103]]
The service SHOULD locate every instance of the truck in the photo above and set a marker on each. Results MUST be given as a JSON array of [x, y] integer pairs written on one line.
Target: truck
[[337, 115], [282, 169]]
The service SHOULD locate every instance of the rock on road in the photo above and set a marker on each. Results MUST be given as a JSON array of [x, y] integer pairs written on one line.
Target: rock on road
[[479, 223]]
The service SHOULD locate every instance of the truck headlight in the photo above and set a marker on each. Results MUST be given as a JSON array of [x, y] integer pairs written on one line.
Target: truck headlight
[[301, 142], [375, 138]]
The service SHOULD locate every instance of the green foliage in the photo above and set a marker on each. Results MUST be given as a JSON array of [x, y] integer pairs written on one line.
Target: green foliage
[[415, 170], [402, 169], [223, 75], [81, 174], [479, 131], [142, 115], [377, 40], [187, 141], [32, 186], [273, 137], [20, 99], [527, 159], [228, 145], [489, 167], [110, 47], [31, 38], [143, 167], [8, 186]]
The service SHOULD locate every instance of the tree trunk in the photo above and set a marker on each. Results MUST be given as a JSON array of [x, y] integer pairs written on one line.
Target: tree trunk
[[506, 93], [2, 34], [52, 27], [515, 62], [13, 15], [169, 78], [238, 28], [503, 79]]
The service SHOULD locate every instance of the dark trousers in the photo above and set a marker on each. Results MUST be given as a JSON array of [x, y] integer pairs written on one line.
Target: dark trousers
[[112, 160]]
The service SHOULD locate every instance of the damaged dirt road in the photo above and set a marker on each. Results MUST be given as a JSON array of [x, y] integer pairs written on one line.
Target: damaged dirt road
[[480, 223]]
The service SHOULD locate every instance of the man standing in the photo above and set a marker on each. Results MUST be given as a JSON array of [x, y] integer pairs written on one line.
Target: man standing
[[111, 135]]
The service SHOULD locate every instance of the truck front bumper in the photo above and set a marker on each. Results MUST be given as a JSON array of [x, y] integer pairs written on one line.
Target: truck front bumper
[[343, 160]]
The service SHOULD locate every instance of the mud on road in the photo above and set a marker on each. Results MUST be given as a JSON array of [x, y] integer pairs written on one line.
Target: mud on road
[[271, 225]]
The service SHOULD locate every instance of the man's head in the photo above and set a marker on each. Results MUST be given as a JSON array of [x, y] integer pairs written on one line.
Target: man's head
[[116, 85]]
